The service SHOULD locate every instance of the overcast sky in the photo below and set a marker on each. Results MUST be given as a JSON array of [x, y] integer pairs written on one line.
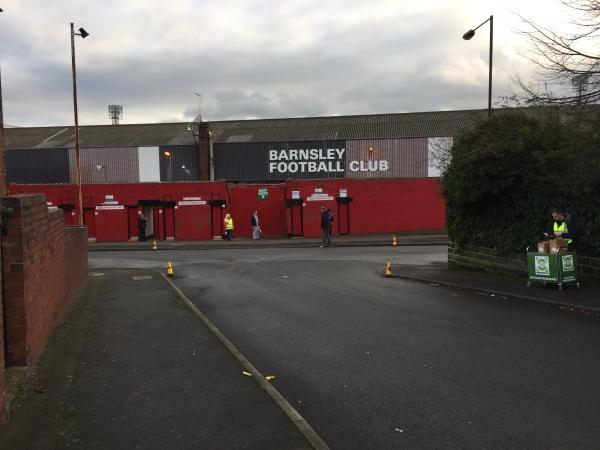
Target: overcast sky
[[257, 58]]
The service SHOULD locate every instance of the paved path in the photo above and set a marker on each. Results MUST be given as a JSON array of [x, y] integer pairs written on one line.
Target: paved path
[[131, 368]]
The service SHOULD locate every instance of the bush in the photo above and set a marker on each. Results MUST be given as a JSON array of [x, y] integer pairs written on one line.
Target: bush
[[506, 173]]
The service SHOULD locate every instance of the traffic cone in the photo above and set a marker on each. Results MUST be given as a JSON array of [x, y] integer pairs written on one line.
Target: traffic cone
[[394, 243], [169, 269], [154, 246], [388, 269]]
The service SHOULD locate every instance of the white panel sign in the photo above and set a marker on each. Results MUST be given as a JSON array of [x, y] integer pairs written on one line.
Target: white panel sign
[[191, 202], [108, 207], [295, 195], [149, 163], [319, 197], [343, 193]]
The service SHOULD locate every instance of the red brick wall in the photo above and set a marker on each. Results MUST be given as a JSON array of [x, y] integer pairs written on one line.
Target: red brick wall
[[378, 206], [3, 414], [391, 206], [244, 200], [44, 265]]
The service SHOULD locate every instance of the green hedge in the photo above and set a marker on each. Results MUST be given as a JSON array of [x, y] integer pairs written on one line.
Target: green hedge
[[507, 172]]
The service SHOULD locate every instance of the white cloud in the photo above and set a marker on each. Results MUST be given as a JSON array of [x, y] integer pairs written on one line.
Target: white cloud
[[253, 58]]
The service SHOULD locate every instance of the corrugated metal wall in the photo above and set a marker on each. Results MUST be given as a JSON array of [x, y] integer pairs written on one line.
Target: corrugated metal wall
[[181, 155], [388, 158], [47, 165], [105, 164]]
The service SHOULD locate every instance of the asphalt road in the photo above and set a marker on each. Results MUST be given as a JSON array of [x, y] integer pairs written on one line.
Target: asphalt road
[[376, 363]]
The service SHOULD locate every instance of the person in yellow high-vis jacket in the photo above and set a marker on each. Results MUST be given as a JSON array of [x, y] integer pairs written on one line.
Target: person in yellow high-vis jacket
[[562, 226], [228, 227]]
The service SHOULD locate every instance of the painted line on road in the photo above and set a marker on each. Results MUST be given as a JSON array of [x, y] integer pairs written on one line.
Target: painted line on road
[[305, 428]]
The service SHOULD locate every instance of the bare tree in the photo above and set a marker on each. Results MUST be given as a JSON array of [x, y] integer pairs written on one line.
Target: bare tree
[[568, 62]]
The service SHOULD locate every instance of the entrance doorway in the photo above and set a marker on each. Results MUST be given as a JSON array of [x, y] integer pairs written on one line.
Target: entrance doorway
[[344, 215], [296, 217]]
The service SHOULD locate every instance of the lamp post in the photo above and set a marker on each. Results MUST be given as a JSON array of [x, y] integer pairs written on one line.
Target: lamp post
[[468, 35], [83, 35], [2, 156]]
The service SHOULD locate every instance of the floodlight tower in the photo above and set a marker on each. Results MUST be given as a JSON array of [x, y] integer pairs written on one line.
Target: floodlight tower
[[115, 112]]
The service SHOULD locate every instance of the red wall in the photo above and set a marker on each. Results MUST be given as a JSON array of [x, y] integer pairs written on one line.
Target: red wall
[[44, 265], [244, 200], [311, 210], [397, 206], [377, 206]]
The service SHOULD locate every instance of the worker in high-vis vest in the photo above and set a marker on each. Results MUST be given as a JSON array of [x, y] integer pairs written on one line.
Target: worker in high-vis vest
[[228, 227], [562, 226]]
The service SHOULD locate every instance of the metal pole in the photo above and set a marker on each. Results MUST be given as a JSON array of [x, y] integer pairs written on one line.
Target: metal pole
[[491, 53], [78, 167], [2, 152]]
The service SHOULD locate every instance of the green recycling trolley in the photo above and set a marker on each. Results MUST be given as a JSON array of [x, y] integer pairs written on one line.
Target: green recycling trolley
[[552, 268]]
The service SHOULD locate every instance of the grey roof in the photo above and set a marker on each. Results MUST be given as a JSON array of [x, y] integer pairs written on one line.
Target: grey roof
[[99, 136], [400, 125]]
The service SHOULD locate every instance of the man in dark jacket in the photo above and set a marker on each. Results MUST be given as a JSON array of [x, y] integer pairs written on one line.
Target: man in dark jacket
[[562, 226], [141, 224], [325, 227]]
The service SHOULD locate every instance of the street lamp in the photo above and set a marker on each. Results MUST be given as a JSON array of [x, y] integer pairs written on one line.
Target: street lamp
[[168, 156], [83, 35], [468, 35]]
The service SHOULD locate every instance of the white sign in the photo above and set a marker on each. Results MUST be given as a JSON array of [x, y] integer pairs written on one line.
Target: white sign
[[295, 195], [110, 203], [49, 203], [369, 166], [319, 197], [319, 190], [109, 197], [343, 193], [568, 263], [108, 207], [192, 198], [328, 160], [191, 202], [542, 265]]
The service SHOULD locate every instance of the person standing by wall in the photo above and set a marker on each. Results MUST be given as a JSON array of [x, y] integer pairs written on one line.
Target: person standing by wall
[[141, 224], [228, 227], [255, 222], [325, 227]]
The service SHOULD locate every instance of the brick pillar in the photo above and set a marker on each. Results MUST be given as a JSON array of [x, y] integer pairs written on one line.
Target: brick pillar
[[204, 151], [44, 265]]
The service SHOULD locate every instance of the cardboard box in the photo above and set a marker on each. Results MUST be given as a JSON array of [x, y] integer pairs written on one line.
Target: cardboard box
[[543, 247], [558, 245]]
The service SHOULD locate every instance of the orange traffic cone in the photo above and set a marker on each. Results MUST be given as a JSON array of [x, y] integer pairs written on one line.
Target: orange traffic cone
[[169, 269], [388, 269]]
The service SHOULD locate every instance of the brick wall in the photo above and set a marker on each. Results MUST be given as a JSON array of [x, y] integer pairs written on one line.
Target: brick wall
[[474, 257], [244, 200], [3, 414], [44, 265]]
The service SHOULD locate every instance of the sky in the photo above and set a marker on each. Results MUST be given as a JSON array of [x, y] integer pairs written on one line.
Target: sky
[[258, 58]]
